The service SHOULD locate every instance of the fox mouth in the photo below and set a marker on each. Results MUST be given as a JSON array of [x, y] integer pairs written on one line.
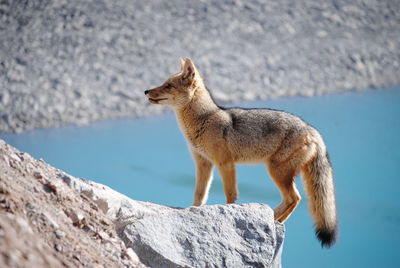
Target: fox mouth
[[157, 100]]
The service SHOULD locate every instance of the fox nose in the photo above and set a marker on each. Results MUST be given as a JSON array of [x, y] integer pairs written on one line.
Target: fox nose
[[146, 91]]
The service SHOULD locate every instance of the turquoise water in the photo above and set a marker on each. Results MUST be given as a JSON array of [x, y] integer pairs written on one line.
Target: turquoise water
[[147, 159]]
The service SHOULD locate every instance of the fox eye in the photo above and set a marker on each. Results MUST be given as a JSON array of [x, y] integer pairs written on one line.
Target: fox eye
[[168, 86]]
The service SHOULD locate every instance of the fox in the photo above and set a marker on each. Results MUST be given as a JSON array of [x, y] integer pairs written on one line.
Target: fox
[[222, 137]]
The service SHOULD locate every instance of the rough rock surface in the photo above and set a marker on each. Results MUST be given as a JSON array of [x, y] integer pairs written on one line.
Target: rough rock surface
[[211, 236], [51, 219], [70, 61]]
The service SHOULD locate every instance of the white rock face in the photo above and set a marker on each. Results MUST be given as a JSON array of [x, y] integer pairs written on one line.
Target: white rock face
[[244, 235], [209, 236], [118, 207]]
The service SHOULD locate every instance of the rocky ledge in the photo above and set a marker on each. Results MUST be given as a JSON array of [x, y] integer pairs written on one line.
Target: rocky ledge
[[51, 219]]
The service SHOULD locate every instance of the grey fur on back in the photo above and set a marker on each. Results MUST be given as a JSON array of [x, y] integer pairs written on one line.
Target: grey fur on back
[[248, 126], [261, 123]]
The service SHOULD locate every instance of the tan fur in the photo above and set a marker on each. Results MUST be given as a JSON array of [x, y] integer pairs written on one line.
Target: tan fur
[[220, 138]]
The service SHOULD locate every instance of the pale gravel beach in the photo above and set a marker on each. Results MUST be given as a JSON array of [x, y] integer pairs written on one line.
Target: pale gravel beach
[[74, 62]]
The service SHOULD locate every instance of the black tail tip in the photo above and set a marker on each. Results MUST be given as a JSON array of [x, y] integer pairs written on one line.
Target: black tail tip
[[326, 236]]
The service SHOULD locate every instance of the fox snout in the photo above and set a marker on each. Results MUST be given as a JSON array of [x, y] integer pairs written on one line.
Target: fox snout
[[155, 96], [152, 93]]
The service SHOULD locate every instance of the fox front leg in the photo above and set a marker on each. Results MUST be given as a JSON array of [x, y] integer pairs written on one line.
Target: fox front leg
[[228, 174], [204, 169]]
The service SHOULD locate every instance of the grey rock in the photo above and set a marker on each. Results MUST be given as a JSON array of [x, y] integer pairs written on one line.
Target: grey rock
[[210, 236], [60, 234], [15, 157], [50, 219], [76, 217], [58, 247], [244, 235], [118, 207]]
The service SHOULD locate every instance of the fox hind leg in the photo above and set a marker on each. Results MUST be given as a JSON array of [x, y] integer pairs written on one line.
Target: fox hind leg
[[283, 167], [283, 175]]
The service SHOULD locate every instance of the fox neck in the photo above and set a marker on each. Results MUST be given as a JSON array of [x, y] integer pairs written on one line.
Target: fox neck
[[192, 115]]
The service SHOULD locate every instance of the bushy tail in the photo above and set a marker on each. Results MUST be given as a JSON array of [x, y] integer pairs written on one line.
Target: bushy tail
[[318, 179]]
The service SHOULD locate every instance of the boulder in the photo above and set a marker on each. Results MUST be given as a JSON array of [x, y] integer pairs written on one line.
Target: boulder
[[242, 235], [235, 235]]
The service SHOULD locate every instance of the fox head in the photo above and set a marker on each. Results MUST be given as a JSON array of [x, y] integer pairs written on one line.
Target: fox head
[[179, 89]]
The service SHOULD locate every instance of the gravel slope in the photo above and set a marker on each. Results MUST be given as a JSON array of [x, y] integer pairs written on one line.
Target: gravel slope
[[77, 61], [44, 223]]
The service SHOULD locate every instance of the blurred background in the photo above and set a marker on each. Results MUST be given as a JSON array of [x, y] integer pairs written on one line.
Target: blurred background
[[65, 62], [335, 63]]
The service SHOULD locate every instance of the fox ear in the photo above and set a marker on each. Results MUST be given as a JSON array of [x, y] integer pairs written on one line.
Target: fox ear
[[188, 69], [182, 61]]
